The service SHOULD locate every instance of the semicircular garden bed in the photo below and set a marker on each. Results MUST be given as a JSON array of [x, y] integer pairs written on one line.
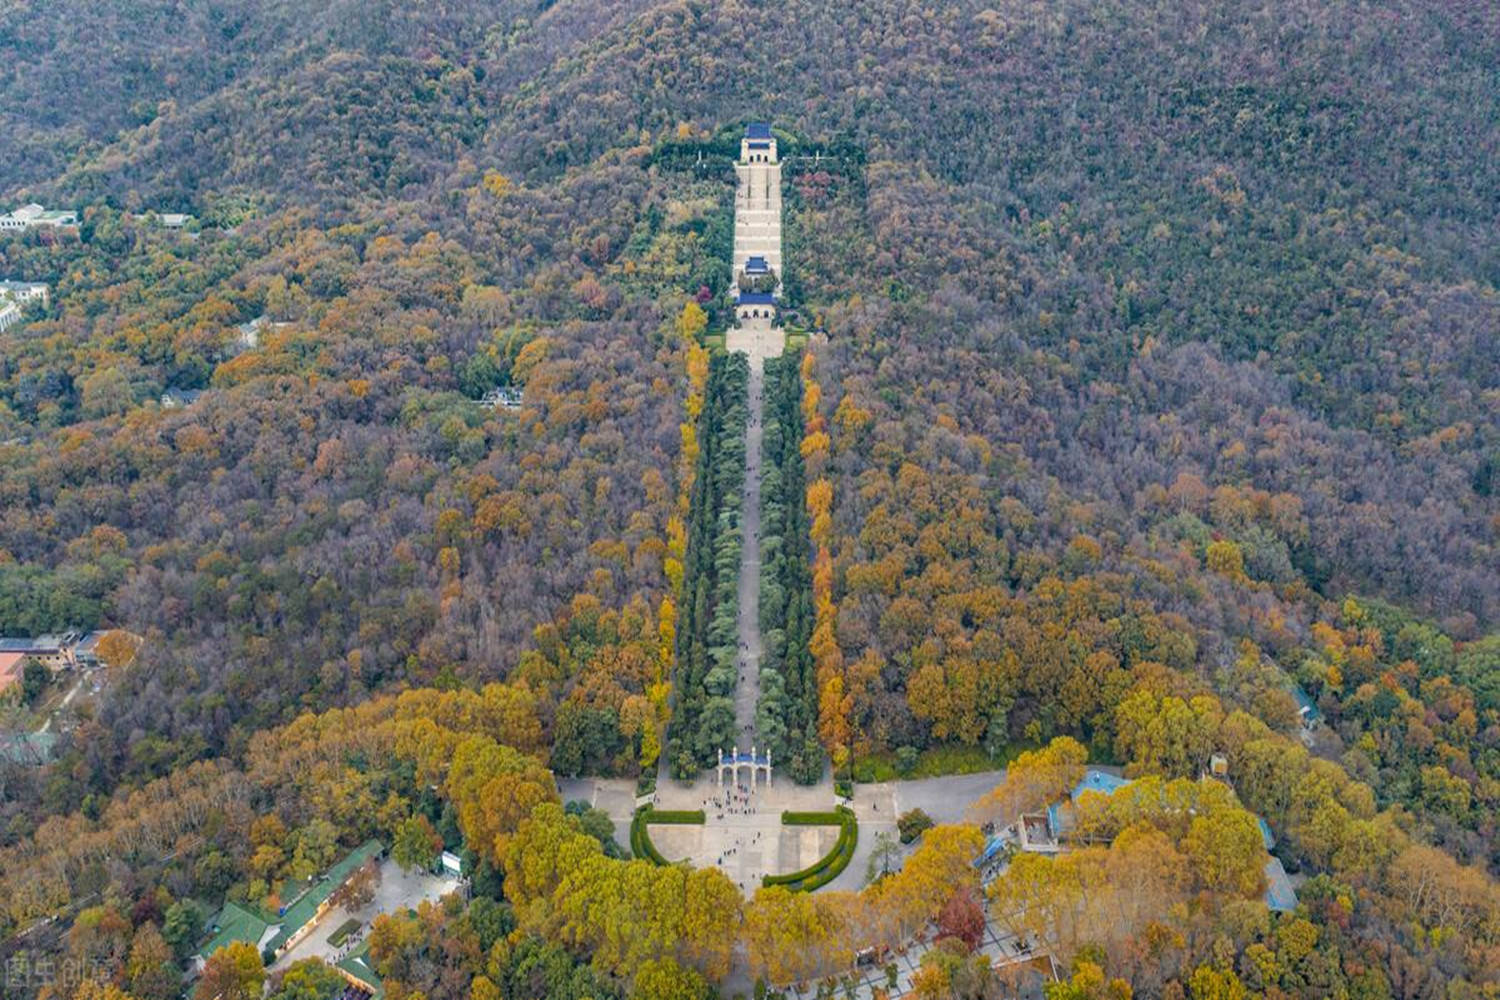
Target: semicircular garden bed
[[814, 876], [640, 837], [829, 866]]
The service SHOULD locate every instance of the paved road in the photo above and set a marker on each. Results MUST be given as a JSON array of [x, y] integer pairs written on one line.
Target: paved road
[[757, 231], [877, 805], [747, 692], [945, 799], [83, 678]]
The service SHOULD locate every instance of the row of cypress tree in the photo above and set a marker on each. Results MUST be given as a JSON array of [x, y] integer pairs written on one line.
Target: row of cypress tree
[[707, 635], [787, 714]]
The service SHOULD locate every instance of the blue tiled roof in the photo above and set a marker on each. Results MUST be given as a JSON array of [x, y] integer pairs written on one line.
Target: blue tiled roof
[[1098, 781], [1305, 703], [753, 264], [1266, 836], [757, 130], [994, 846], [757, 299], [1280, 896]]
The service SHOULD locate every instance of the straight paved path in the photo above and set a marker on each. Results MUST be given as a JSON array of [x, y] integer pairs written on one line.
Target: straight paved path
[[747, 691]]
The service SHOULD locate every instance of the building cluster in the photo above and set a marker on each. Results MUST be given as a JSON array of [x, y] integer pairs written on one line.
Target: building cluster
[[1052, 831], [36, 217], [167, 220], [14, 296], [276, 934], [69, 651], [176, 399], [504, 397], [757, 225]]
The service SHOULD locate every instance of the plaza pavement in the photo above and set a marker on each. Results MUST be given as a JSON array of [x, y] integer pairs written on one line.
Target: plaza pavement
[[750, 837]]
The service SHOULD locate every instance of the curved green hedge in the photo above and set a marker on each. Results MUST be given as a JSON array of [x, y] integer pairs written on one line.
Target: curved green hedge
[[640, 839], [682, 817], [836, 817], [829, 866]]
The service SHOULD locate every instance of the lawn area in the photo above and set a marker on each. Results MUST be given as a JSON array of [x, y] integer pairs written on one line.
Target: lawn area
[[341, 935], [935, 762]]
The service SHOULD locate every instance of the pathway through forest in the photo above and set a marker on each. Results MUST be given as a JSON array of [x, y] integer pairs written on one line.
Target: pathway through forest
[[747, 692], [757, 236]]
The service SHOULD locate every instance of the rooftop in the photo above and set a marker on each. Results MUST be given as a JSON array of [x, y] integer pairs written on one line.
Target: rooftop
[[305, 907], [1060, 814], [1099, 781], [1306, 707], [757, 299], [357, 964], [1280, 896], [43, 644], [755, 265], [758, 130], [10, 669], [992, 847], [1266, 836], [235, 923], [36, 213], [507, 396], [89, 642], [180, 397]]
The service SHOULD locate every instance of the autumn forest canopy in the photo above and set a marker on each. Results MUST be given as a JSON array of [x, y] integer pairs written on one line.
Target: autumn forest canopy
[[1144, 409]]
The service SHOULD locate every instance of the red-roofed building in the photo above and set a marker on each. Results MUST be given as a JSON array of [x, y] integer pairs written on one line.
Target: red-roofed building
[[12, 665]]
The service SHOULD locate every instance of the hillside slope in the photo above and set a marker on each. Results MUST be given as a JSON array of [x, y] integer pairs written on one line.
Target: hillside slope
[[1153, 357]]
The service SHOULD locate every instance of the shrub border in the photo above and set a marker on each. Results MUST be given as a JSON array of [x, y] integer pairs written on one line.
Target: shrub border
[[829, 866], [345, 929], [640, 837]]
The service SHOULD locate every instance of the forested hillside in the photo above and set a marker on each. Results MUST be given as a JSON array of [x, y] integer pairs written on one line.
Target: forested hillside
[[1154, 367]]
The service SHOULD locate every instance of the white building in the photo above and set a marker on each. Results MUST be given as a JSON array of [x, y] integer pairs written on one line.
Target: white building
[[14, 295], [758, 144], [23, 291], [167, 220], [505, 397], [248, 334], [33, 216], [176, 399]]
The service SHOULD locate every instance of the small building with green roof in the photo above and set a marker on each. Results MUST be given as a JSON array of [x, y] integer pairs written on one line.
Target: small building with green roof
[[302, 914], [356, 968], [236, 923], [276, 934]]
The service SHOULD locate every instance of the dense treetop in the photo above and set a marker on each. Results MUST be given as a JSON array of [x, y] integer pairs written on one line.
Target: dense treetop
[[1153, 369]]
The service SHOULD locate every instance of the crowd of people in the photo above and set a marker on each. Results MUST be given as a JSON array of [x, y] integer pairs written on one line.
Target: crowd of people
[[737, 800]]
